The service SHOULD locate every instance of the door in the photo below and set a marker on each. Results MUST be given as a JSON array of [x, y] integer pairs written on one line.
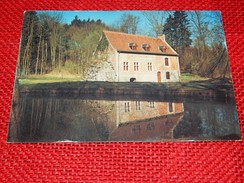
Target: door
[[159, 76]]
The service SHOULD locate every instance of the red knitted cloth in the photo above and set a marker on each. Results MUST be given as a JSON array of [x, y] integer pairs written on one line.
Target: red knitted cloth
[[119, 162]]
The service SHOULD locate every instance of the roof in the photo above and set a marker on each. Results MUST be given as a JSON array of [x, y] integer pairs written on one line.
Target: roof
[[120, 42], [138, 131]]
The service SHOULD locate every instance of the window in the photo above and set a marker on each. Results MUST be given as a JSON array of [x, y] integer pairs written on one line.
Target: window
[[149, 66], [146, 47], [132, 46], [136, 66], [151, 104], [150, 126], [167, 75], [138, 105], [162, 48], [170, 107], [136, 128], [166, 61], [126, 66], [127, 106]]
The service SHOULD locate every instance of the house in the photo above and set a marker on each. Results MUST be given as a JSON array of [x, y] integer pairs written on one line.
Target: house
[[131, 120], [145, 120], [138, 58]]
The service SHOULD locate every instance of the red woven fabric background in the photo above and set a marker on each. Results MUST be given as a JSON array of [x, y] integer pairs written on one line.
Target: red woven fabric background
[[119, 162]]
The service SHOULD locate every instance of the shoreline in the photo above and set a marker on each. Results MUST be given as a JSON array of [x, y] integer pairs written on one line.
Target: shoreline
[[192, 90]]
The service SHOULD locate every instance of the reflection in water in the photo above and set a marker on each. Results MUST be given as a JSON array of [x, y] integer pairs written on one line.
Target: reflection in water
[[59, 119]]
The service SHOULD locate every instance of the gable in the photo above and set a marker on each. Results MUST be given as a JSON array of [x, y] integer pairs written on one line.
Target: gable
[[123, 42]]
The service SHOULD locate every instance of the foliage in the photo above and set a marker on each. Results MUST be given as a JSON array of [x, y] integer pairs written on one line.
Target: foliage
[[198, 38], [178, 35], [49, 45], [29, 40]]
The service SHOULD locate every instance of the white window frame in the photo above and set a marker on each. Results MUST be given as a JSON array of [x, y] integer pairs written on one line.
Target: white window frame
[[169, 62], [173, 107], [136, 65], [124, 66]]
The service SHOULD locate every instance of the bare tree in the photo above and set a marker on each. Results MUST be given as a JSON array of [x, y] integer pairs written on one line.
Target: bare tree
[[128, 23], [54, 25], [200, 31], [156, 20], [38, 51], [28, 50]]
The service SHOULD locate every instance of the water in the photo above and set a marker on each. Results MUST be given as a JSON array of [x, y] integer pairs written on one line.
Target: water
[[46, 119]]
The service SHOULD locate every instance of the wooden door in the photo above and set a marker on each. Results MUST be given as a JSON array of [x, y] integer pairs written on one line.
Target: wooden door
[[159, 76]]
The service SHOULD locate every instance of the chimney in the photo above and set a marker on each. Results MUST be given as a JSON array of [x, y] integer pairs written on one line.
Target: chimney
[[162, 37]]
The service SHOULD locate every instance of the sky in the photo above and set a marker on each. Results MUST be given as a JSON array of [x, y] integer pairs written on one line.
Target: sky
[[110, 18], [107, 17]]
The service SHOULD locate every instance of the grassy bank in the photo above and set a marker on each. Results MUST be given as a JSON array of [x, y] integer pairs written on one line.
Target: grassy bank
[[187, 77], [57, 78], [190, 87], [32, 80]]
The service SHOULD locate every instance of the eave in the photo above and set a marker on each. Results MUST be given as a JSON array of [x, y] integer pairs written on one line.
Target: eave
[[146, 53]]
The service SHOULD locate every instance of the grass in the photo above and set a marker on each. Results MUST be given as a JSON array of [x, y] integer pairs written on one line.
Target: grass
[[187, 77], [33, 79], [190, 86], [45, 79]]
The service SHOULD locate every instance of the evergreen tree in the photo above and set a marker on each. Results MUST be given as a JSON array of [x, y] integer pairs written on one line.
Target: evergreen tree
[[169, 30], [76, 22], [177, 33], [182, 33]]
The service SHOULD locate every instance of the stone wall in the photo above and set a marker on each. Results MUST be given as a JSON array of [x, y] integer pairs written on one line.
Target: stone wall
[[103, 68]]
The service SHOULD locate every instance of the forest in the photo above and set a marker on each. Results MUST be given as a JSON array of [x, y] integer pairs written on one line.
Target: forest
[[48, 45]]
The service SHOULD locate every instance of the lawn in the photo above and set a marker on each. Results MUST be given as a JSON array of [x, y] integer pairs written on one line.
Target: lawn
[[44, 79], [185, 77]]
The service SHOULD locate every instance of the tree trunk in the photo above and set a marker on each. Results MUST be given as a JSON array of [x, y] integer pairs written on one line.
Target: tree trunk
[[38, 54], [27, 52]]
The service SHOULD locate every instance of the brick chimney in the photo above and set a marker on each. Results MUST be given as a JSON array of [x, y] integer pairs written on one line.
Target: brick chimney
[[162, 37]]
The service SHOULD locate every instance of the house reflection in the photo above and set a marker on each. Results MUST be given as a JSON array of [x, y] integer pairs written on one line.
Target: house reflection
[[145, 120], [54, 119]]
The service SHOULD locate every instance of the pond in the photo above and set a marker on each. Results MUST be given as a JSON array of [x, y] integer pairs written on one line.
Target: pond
[[49, 119]]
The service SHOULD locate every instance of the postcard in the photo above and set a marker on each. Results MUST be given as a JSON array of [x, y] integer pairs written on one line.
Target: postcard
[[144, 76]]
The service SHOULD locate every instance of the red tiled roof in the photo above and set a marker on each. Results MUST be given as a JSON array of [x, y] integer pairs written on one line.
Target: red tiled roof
[[120, 41], [163, 125]]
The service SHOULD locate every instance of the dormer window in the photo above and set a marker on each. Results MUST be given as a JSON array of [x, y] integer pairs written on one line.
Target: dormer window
[[132, 46], [162, 48], [146, 47]]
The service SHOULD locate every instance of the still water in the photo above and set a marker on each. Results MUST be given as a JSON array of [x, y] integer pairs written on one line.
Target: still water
[[47, 119]]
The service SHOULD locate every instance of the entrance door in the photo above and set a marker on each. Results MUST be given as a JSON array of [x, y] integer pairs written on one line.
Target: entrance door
[[159, 76]]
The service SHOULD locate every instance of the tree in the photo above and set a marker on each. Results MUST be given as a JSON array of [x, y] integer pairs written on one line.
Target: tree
[[169, 30], [76, 22], [129, 23], [209, 55], [178, 34], [156, 21], [50, 42], [200, 23], [183, 34], [29, 42]]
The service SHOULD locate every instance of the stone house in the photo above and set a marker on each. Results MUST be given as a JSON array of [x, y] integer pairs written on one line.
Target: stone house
[[138, 58]]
